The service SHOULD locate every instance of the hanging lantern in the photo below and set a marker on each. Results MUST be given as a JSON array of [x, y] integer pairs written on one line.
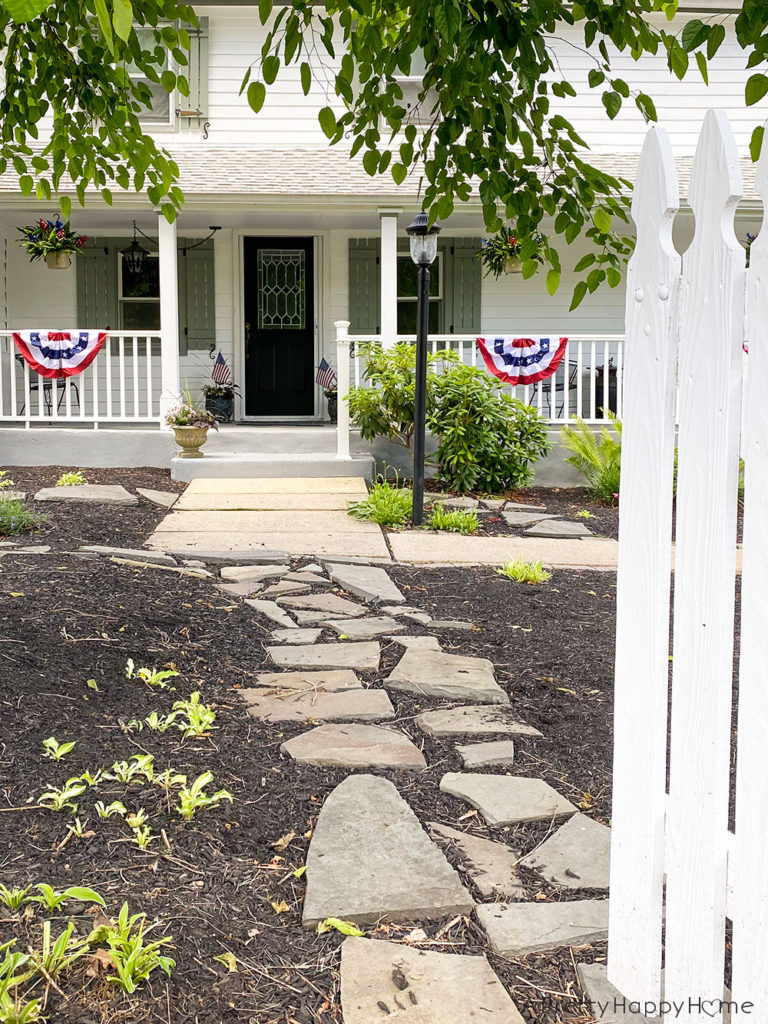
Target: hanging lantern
[[135, 255]]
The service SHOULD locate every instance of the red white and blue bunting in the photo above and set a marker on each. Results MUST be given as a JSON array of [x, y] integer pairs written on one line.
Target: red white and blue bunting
[[55, 354], [522, 360]]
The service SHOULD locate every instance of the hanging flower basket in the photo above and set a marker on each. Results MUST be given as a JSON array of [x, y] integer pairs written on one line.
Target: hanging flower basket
[[513, 265], [52, 241], [502, 254]]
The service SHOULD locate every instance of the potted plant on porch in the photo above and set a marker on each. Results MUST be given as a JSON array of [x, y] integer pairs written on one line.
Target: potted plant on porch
[[190, 426], [220, 400], [504, 253], [52, 241], [332, 398]]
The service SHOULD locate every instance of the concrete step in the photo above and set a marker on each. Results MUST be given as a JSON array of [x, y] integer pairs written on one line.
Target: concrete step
[[250, 439], [270, 464]]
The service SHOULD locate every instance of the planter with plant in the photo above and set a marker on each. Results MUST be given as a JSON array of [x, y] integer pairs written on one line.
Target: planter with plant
[[332, 398], [220, 400], [190, 427], [52, 241], [505, 254]]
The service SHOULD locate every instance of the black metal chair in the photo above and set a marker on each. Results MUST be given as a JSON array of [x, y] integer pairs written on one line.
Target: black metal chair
[[558, 379], [61, 386]]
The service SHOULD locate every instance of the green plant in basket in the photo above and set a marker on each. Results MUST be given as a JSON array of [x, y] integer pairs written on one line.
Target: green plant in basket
[[50, 236]]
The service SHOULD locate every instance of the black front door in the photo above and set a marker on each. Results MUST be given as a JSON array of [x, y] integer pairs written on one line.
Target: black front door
[[279, 312]]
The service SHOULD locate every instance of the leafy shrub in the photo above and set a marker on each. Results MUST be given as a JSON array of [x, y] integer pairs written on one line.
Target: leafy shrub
[[597, 455], [74, 478], [487, 441], [524, 572], [16, 518], [456, 520], [385, 505]]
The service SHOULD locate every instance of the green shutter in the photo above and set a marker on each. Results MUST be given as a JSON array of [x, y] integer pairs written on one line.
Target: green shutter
[[364, 286], [96, 270], [463, 287], [197, 304], [193, 109]]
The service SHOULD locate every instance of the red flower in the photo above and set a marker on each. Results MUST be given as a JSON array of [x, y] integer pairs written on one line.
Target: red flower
[[42, 224], [81, 240], [59, 234]]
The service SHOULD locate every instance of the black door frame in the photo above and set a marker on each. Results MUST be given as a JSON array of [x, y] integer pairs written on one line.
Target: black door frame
[[317, 239]]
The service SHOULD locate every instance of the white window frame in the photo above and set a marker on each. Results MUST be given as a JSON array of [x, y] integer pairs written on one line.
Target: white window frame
[[132, 298], [432, 298], [172, 123]]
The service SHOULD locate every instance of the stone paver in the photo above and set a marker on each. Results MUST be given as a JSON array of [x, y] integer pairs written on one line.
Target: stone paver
[[363, 656], [381, 979], [365, 628], [459, 501], [198, 502], [180, 570], [487, 755], [456, 624], [478, 720], [606, 1003], [252, 573], [403, 609], [492, 866], [507, 799], [422, 546], [436, 674], [558, 528], [102, 494], [420, 618], [517, 928], [33, 549], [421, 643], [354, 746], [351, 485], [329, 681], [307, 577], [366, 581], [273, 612], [515, 518], [284, 587], [330, 604], [7, 494], [517, 507], [258, 554], [296, 635], [140, 553], [577, 856], [239, 589], [369, 545], [313, 567], [370, 859], [356, 705], [494, 504], [166, 499]]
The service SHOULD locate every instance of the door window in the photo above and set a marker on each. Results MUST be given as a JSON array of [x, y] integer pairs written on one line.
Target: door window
[[139, 296], [282, 289]]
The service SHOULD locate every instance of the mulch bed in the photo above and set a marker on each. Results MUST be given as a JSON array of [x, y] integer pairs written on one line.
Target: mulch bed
[[227, 883]]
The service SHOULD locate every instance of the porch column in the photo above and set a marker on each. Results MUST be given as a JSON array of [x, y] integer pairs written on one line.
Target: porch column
[[388, 270], [342, 388], [169, 316]]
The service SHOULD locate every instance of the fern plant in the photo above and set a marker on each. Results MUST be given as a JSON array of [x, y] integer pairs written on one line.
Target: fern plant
[[597, 455]]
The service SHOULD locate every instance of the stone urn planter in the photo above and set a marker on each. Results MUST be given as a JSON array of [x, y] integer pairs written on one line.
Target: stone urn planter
[[58, 260], [190, 440]]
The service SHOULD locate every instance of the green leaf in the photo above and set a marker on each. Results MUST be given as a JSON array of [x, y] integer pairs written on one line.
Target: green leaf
[[371, 161], [168, 81], [701, 61], [553, 281], [82, 892], [694, 34], [265, 9], [257, 93], [757, 87], [327, 120], [105, 24], [334, 924], [595, 78], [646, 106], [578, 294], [612, 103], [715, 41], [602, 220], [399, 173], [65, 205], [756, 143], [306, 77], [122, 18], [25, 10], [26, 184], [270, 68]]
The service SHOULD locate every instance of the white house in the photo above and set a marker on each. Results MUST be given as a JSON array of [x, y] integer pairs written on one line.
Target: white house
[[305, 239]]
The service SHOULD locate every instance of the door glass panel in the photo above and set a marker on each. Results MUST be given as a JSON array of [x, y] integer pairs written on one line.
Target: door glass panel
[[281, 289]]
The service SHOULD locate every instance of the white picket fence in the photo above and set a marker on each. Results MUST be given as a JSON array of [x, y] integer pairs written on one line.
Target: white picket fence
[[677, 872]]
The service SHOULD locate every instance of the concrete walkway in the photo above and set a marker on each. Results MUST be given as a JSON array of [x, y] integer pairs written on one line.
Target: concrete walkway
[[307, 516]]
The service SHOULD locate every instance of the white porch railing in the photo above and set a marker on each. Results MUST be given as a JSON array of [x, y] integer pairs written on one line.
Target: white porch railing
[[122, 385]]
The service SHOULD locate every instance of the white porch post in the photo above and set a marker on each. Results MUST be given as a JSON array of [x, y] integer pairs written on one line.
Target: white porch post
[[388, 270], [342, 388], [169, 315]]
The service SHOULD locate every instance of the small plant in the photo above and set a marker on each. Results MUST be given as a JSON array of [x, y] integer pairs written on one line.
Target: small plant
[[47, 236], [12, 1009], [191, 717], [74, 478], [137, 818], [139, 769], [55, 750], [52, 899], [62, 799], [188, 414], [596, 455], [169, 778], [57, 954], [151, 676], [5, 481], [584, 513], [16, 518], [143, 836], [77, 828], [456, 520], [524, 572], [194, 798], [15, 898], [385, 505], [134, 958], [110, 810], [93, 778]]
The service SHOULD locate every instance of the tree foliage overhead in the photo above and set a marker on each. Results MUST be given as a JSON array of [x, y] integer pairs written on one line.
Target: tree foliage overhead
[[487, 100], [70, 109]]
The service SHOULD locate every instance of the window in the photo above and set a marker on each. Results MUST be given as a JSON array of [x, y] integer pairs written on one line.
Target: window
[[139, 295], [407, 283], [161, 109], [417, 112]]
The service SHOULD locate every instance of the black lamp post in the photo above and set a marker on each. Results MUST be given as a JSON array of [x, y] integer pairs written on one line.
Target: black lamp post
[[423, 251]]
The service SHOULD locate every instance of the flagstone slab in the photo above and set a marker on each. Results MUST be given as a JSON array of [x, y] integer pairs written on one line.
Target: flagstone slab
[[423, 643], [487, 755], [507, 799], [514, 929], [273, 612], [366, 628], [305, 618], [329, 681], [303, 576], [102, 494], [363, 656], [286, 541], [456, 624], [239, 589], [492, 866], [354, 746], [606, 1003], [370, 860], [34, 549], [353, 705], [472, 720], [352, 485], [366, 581], [12, 495], [436, 674], [515, 518], [180, 570], [577, 856], [420, 618], [296, 635], [312, 567], [330, 604], [516, 506], [252, 573], [166, 499], [381, 979], [494, 504], [457, 500], [558, 528], [140, 553], [258, 555], [285, 587], [403, 609]]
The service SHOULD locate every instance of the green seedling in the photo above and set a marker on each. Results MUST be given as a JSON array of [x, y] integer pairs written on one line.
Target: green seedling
[[193, 718], [152, 677], [62, 799], [194, 798], [93, 778], [169, 778], [52, 899], [137, 818], [336, 925], [15, 898], [93, 685], [57, 954], [133, 957], [456, 520], [55, 750], [584, 513], [524, 572], [385, 505], [78, 828], [143, 836], [139, 768], [74, 478], [12, 1009], [109, 810]]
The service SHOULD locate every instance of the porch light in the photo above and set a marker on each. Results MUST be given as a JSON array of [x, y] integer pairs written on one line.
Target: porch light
[[423, 252], [135, 255], [423, 240]]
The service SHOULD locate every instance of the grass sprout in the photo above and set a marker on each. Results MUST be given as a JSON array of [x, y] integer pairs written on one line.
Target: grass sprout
[[455, 520], [524, 572], [385, 505]]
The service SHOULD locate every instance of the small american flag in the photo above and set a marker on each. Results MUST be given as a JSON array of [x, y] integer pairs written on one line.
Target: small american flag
[[221, 374], [326, 377]]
